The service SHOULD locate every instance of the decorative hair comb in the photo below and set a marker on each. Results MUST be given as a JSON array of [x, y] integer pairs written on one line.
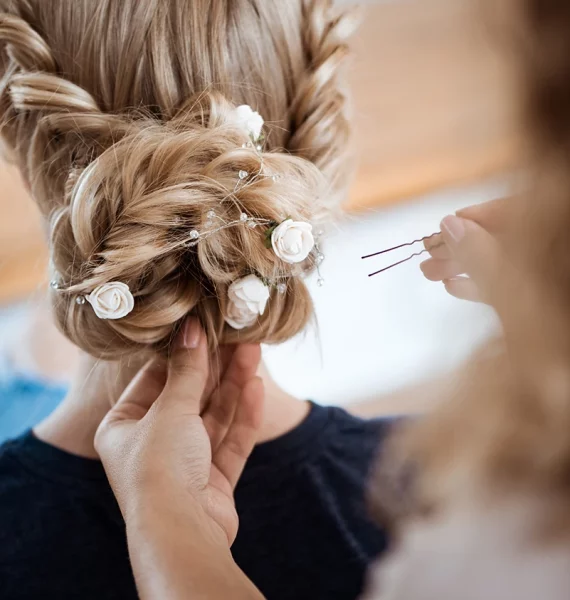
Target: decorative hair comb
[[424, 239]]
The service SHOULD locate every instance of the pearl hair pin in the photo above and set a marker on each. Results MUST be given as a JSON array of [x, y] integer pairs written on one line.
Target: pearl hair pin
[[212, 218]]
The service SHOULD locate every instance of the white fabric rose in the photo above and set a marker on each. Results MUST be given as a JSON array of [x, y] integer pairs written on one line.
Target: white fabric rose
[[111, 300], [249, 120], [247, 300], [293, 241]]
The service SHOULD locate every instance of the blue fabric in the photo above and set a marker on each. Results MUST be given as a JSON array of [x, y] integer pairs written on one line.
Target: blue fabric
[[24, 402]]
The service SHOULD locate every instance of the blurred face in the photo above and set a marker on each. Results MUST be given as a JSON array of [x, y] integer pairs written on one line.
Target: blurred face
[[489, 552]]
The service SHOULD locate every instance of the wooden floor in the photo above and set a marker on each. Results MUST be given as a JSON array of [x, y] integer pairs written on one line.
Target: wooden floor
[[430, 111]]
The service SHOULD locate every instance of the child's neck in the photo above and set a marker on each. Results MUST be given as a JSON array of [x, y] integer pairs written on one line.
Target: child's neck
[[72, 426]]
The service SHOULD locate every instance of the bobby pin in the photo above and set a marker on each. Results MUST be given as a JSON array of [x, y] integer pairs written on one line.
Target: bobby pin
[[427, 237]]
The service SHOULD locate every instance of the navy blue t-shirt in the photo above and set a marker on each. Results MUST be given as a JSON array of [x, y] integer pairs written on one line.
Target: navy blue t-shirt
[[304, 528]]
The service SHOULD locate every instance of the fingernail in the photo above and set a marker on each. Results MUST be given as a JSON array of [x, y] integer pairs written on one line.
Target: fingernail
[[454, 227], [191, 332]]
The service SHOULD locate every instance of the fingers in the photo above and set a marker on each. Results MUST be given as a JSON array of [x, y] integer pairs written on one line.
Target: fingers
[[436, 269], [475, 249], [187, 368], [440, 251], [465, 247], [463, 288], [242, 368], [492, 216], [436, 246], [240, 438], [145, 387]]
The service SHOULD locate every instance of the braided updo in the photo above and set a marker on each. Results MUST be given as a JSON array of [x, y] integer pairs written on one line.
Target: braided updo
[[121, 116]]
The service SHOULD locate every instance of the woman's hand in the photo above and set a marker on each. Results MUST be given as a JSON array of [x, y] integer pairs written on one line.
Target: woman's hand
[[173, 466], [160, 449], [467, 255]]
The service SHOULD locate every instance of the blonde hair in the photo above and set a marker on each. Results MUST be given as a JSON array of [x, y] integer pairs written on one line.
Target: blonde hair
[[119, 115]]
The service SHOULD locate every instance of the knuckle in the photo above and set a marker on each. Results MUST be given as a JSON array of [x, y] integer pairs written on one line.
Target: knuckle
[[101, 441], [238, 448], [184, 362], [184, 368]]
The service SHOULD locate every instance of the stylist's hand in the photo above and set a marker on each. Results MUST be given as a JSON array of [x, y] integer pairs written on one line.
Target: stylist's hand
[[158, 449], [467, 256]]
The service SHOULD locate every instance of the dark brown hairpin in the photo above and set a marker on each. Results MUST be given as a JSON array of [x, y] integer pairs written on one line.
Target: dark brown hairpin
[[427, 237]]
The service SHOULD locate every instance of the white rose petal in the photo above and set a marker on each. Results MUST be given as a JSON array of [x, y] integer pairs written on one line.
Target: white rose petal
[[251, 121], [248, 299], [111, 300], [293, 241]]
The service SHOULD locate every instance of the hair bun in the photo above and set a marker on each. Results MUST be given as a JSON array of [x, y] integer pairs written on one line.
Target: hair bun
[[129, 218], [124, 191]]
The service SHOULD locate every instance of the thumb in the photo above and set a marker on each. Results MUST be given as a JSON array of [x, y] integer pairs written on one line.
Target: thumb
[[188, 368], [132, 406], [136, 400], [144, 388], [476, 250]]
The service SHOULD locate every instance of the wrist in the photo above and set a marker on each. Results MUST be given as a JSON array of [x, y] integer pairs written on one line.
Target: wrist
[[152, 495], [169, 515], [176, 546]]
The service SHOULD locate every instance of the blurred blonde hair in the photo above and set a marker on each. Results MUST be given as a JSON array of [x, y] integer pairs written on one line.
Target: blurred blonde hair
[[506, 430], [119, 115]]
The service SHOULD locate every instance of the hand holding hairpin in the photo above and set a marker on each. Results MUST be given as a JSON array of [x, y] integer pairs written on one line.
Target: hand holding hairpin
[[387, 250]]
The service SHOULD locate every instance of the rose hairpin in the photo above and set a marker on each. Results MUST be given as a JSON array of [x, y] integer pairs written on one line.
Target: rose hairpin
[[111, 301], [294, 242], [252, 123], [247, 300], [291, 241]]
